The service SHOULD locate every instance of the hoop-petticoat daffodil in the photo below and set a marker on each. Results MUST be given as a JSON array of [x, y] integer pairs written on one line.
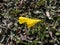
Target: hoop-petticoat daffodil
[[30, 22]]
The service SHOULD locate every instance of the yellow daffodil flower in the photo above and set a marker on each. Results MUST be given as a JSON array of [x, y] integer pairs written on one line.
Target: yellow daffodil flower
[[30, 22]]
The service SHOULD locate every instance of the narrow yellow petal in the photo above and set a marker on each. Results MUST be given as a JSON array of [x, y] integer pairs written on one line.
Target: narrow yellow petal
[[31, 22]]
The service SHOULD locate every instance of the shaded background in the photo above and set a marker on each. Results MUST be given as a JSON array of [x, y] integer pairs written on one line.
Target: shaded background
[[46, 33]]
